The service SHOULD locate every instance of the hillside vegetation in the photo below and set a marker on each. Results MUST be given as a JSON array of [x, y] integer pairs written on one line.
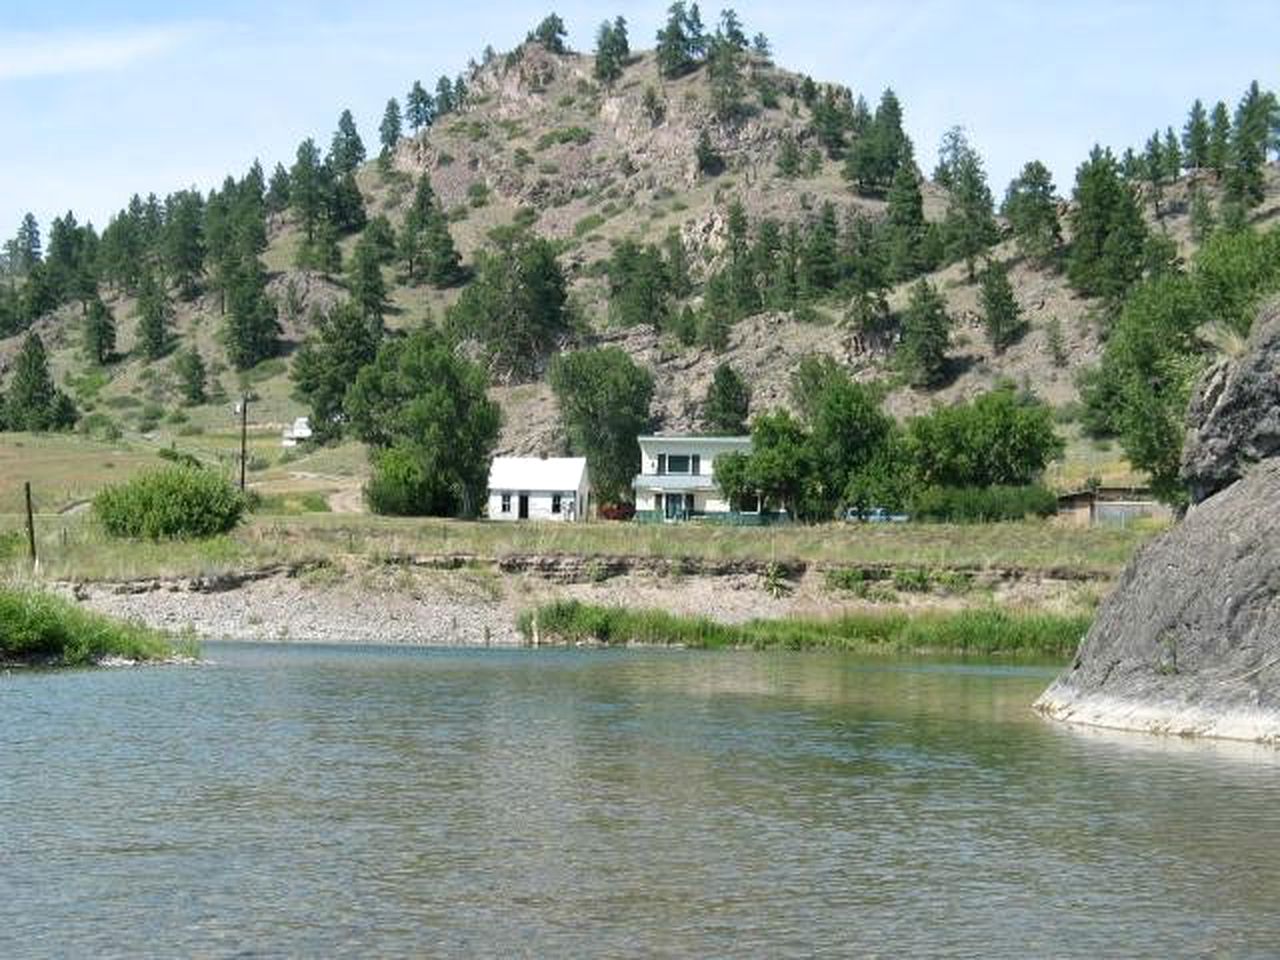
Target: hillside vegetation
[[695, 206]]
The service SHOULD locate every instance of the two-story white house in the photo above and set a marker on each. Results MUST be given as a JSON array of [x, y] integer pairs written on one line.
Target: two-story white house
[[677, 479], [538, 488]]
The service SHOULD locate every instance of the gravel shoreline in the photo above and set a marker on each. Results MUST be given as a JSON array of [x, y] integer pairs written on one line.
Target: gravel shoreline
[[480, 606]]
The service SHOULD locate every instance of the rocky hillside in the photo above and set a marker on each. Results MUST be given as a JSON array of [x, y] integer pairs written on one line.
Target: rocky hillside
[[541, 141]]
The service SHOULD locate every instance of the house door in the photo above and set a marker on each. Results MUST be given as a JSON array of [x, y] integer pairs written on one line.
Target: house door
[[524, 507]]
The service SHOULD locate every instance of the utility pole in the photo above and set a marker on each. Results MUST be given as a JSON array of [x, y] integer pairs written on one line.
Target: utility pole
[[244, 433], [31, 526]]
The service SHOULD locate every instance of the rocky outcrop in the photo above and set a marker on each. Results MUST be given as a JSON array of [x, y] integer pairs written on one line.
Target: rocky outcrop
[[1235, 412], [1189, 641]]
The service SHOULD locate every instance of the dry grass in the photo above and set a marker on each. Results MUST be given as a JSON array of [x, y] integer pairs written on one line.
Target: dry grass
[[72, 547]]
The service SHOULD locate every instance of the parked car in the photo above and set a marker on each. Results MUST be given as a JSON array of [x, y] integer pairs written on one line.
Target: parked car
[[874, 515]]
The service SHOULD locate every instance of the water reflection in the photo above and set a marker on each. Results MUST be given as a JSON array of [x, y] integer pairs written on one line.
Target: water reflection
[[339, 801]]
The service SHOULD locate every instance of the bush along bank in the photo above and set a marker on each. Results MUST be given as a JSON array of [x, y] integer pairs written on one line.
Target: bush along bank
[[42, 629], [989, 632]]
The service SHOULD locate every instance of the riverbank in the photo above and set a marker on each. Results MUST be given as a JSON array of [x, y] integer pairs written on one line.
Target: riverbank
[[985, 632], [453, 600], [44, 630]]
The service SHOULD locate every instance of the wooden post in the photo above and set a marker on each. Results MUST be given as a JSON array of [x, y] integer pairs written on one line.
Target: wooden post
[[244, 429], [31, 525]]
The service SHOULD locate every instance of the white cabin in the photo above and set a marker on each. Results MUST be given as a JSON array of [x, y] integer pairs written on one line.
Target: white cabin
[[297, 432], [677, 479], [538, 488]]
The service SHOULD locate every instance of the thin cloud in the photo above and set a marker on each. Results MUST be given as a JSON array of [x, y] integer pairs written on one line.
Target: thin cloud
[[49, 55]]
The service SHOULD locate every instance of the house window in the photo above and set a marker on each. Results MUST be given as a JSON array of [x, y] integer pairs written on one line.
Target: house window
[[678, 463], [506, 503], [662, 464], [555, 503]]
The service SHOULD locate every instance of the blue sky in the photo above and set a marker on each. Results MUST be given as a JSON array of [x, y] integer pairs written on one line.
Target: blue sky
[[104, 98]]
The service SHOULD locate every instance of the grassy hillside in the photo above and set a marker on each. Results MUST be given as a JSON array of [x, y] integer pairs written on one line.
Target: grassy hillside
[[541, 141]]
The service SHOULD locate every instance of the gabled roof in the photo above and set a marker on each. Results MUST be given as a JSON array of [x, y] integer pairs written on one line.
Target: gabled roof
[[537, 473], [694, 438]]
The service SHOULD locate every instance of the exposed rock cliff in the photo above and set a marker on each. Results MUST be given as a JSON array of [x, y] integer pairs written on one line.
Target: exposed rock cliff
[[1189, 640], [1235, 412]]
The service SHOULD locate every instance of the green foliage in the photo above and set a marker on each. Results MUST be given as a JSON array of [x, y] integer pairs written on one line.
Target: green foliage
[[170, 503], [190, 369], [982, 504], [728, 402], [708, 158], [1031, 207], [99, 333], [970, 226], [926, 331], [998, 439], [880, 150], [517, 305], [1195, 137], [1001, 314], [681, 42], [341, 344], [346, 152], [986, 631], [604, 404], [154, 337], [420, 107], [35, 625], [575, 135], [251, 332], [1108, 236], [426, 246], [551, 33], [905, 226], [364, 282], [389, 131], [1157, 348], [426, 413], [789, 157], [612, 50], [33, 402]]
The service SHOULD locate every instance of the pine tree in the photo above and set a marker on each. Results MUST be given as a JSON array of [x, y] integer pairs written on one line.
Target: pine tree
[[728, 402], [679, 41], [970, 225], [905, 225], [877, 154], [1001, 314], [190, 368], [323, 253], [341, 344], [1249, 136], [277, 198], [419, 107], [445, 100], [1032, 211], [724, 71], [346, 153], [612, 50], [252, 331], [1172, 155], [1219, 152], [184, 246], [153, 317], [307, 188], [789, 157], [1153, 170], [550, 33], [1195, 137], [820, 261], [33, 402], [368, 290], [389, 132], [926, 331], [868, 276], [99, 333], [1108, 235], [1203, 220], [27, 243]]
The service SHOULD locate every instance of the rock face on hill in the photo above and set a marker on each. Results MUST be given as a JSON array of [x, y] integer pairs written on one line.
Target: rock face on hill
[[1235, 412], [1189, 640]]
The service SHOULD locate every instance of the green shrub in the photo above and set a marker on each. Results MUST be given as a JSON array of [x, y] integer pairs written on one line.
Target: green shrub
[[99, 426], [588, 223], [982, 504], [986, 631], [478, 195], [170, 503], [42, 626], [551, 138]]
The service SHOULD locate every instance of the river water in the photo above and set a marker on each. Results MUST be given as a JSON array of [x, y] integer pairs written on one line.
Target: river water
[[345, 801]]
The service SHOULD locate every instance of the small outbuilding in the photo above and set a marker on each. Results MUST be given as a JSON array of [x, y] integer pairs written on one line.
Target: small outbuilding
[[538, 488]]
